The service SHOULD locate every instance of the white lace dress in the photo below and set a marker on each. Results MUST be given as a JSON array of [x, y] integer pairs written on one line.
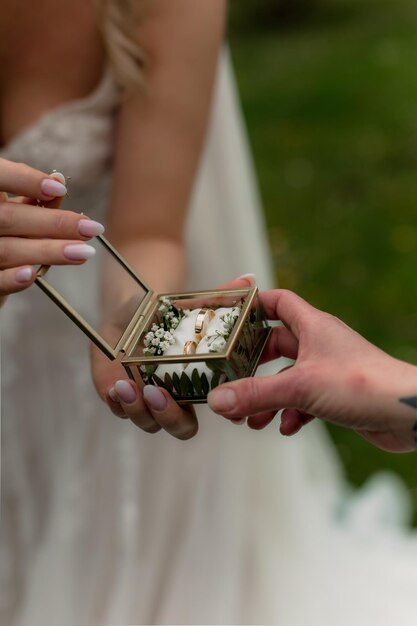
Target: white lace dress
[[103, 524]]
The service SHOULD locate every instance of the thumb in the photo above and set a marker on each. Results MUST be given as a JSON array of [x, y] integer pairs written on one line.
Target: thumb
[[250, 396]]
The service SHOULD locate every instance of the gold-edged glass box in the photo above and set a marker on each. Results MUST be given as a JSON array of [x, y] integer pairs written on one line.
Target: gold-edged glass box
[[186, 342]]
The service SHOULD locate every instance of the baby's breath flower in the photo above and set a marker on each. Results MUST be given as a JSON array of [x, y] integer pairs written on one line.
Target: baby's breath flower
[[157, 340], [217, 342]]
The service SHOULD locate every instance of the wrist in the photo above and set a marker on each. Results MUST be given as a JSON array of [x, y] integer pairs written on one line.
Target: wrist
[[160, 263], [394, 401]]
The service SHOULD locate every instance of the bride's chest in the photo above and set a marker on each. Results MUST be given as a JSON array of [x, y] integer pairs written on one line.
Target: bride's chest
[[50, 53]]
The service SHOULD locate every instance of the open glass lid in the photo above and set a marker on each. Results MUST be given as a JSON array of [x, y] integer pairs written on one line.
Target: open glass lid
[[104, 296]]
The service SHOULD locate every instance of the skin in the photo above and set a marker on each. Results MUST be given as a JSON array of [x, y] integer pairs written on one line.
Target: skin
[[22, 224], [338, 376], [158, 144]]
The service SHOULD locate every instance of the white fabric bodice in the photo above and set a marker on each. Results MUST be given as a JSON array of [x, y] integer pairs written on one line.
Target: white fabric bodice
[[75, 138]]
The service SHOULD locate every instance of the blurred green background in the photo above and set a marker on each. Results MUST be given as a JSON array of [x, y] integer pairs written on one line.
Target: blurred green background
[[329, 92]]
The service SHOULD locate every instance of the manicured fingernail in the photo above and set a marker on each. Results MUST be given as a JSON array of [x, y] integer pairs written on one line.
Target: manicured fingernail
[[125, 391], [24, 275], [221, 400], [59, 177], [155, 398], [113, 395], [79, 251], [53, 188], [239, 422], [249, 277], [90, 228]]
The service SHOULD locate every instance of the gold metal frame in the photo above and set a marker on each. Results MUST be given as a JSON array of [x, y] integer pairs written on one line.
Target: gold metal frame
[[250, 295], [110, 351]]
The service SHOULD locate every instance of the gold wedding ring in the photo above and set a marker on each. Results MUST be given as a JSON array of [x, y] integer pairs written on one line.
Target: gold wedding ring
[[203, 320], [190, 348]]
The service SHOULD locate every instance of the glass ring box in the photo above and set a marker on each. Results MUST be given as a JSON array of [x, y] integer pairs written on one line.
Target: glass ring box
[[187, 343]]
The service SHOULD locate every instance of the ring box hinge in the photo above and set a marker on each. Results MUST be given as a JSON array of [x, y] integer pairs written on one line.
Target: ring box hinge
[[145, 314]]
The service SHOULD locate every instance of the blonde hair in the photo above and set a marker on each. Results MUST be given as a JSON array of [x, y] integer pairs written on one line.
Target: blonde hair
[[118, 23]]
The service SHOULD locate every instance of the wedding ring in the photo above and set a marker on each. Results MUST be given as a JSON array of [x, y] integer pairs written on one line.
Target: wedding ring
[[190, 348], [203, 320]]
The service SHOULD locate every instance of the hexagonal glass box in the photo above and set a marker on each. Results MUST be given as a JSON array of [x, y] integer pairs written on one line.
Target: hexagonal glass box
[[186, 342]]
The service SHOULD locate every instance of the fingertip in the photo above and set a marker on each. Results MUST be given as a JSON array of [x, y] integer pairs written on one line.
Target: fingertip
[[175, 419], [260, 421], [59, 176], [240, 421], [25, 275], [52, 188], [125, 390], [289, 427], [248, 278], [222, 400], [113, 402], [112, 394], [155, 398]]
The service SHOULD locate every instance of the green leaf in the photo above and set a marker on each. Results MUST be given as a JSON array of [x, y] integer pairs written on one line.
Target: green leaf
[[184, 383], [168, 382], [205, 384], [215, 366], [195, 377], [176, 383], [158, 381], [230, 372], [215, 380], [150, 369]]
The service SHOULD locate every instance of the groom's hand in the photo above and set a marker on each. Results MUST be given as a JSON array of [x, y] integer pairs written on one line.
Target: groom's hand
[[337, 376]]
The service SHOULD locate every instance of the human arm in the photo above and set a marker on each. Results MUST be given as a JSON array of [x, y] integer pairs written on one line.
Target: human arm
[[338, 376], [160, 134]]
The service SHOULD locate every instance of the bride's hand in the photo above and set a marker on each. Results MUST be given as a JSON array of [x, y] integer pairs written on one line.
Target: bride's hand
[[151, 408], [33, 235]]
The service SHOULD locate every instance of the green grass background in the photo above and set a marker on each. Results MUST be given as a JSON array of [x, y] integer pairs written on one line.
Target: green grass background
[[330, 99]]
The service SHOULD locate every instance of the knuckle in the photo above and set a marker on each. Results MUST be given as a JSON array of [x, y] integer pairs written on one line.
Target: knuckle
[[45, 250], [250, 395], [63, 223], [7, 213], [308, 378]]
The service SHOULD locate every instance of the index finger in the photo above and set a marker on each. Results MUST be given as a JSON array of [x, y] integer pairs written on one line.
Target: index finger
[[242, 282], [23, 180], [284, 305]]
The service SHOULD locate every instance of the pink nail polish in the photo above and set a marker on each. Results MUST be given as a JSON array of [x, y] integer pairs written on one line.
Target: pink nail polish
[[125, 391], [251, 278], [155, 398], [90, 228], [113, 395], [24, 275], [78, 251], [58, 176], [53, 188]]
